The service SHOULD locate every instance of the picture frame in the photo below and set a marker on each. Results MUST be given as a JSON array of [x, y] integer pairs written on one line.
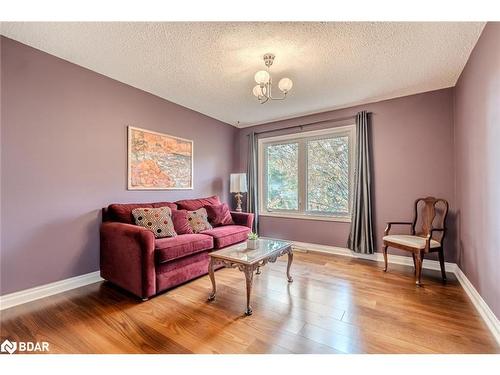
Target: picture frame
[[158, 161]]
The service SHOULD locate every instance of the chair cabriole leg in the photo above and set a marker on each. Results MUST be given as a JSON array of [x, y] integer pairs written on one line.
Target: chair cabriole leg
[[384, 250], [419, 257], [441, 263]]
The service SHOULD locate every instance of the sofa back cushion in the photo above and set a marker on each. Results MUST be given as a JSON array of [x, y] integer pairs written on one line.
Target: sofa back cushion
[[170, 205], [122, 212], [196, 204]]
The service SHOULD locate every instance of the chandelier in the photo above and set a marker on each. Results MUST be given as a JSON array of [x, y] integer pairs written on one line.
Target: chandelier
[[263, 91]]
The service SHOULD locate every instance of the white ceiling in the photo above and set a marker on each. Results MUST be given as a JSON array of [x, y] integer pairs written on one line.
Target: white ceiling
[[209, 67]]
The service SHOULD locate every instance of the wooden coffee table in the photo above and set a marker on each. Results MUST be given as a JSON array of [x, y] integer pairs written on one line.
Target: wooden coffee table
[[248, 261]]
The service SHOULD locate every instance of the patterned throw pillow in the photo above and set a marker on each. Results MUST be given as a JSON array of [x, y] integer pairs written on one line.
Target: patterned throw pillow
[[198, 220], [158, 220]]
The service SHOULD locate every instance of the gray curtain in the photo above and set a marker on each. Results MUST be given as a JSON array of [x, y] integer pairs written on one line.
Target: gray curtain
[[361, 234], [252, 199]]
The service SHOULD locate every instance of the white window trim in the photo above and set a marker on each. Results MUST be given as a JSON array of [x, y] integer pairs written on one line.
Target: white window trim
[[348, 129]]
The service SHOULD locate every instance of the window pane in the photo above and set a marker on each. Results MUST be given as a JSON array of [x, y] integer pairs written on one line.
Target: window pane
[[282, 176], [328, 175]]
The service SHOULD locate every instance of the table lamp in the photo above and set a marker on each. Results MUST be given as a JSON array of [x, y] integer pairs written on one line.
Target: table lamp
[[238, 185]]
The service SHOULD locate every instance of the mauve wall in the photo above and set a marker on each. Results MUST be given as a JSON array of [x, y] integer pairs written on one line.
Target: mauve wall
[[412, 154], [477, 143], [63, 132]]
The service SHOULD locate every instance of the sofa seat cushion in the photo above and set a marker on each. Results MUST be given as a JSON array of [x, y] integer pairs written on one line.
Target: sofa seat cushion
[[167, 249], [408, 240], [227, 235]]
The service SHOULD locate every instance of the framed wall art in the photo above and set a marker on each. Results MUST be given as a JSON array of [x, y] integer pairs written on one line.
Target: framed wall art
[[158, 161]]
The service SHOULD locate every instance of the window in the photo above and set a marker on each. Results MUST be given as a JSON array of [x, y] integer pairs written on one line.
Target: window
[[307, 175]]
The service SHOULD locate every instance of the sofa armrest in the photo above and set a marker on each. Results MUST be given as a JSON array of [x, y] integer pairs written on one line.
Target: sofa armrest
[[243, 218], [127, 257]]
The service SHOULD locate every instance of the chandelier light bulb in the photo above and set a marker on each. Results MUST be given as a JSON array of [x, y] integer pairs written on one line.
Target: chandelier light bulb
[[285, 84], [257, 91], [263, 90], [261, 77]]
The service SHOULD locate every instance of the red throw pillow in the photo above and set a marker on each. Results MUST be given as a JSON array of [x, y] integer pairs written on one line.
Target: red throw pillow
[[181, 223], [219, 214]]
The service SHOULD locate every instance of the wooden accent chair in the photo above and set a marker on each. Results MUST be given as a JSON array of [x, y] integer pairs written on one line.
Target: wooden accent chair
[[427, 231]]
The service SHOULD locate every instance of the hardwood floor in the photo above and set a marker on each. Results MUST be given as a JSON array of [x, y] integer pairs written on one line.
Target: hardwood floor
[[335, 305]]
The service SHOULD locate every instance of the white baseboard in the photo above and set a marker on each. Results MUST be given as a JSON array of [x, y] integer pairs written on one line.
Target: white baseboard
[[484, 310], [377, 257], [32, 294]]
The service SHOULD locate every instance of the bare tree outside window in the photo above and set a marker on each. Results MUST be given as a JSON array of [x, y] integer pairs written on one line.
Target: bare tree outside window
[[308, 175], [282, 176], [328, 175]]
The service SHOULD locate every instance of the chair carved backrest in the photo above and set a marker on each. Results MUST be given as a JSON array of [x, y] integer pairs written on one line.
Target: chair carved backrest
[[430, 213]]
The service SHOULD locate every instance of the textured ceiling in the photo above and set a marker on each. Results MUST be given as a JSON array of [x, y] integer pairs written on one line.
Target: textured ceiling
[[209, 67]]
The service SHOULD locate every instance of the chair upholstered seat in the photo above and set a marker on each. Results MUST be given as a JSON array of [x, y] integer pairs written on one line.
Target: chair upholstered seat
[[409, 240]]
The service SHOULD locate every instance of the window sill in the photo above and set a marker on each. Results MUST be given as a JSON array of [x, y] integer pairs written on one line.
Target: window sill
[[307, 217]]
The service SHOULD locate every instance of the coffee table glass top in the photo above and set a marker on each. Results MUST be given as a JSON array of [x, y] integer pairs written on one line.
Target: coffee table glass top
[[240, 253]]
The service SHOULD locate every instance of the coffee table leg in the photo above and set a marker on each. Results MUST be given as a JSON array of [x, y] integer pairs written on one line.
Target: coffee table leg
[[290, 260], [211, 297], [249, 280]]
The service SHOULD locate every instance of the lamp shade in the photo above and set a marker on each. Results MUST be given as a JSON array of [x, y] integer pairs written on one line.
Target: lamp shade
[[238, 183]]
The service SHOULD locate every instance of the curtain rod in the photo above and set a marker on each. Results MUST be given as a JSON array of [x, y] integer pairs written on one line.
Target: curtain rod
[[308, 124]]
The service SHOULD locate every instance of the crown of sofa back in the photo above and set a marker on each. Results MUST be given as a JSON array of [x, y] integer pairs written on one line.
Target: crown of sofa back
[[122, 212]]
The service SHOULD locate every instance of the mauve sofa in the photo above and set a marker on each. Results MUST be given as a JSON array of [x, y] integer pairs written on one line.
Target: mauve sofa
[[132, 258]]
